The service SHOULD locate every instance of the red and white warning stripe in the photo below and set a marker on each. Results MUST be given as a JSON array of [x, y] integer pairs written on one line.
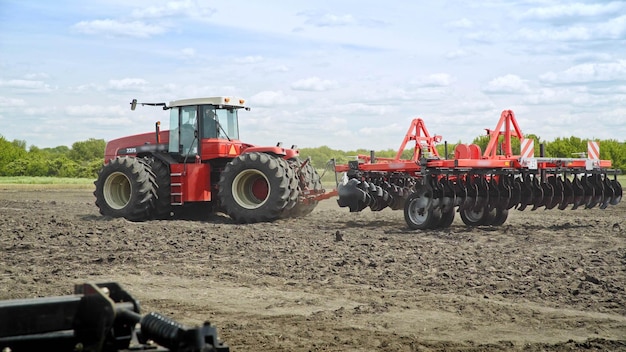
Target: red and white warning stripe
[[527, 148], [593, 150]]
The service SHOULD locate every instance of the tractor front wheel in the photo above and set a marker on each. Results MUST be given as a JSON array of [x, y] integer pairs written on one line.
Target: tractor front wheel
[[126, 188], [254, 187]]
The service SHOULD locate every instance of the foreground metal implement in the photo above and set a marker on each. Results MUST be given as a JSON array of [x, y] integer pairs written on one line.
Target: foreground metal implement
[[98, 317], [481, 186]]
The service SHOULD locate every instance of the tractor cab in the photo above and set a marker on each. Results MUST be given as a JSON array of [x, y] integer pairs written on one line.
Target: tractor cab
[[194, 121]]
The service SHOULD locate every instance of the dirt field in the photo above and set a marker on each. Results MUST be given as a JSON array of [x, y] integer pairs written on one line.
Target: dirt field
[[336, 281]]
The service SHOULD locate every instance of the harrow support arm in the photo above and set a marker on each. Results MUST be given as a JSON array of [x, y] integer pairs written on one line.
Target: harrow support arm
[[507, 118]]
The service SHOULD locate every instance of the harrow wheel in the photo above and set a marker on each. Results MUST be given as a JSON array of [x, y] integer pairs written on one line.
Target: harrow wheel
[[475, 216], [255, 187], [500, 218], [418, 212], [447, 217], [126, 188]]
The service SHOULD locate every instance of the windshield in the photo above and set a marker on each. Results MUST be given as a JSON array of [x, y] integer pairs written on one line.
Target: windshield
[[219, 122]]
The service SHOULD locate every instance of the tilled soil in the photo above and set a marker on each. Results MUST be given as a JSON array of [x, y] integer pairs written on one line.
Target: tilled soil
[[336, 281]]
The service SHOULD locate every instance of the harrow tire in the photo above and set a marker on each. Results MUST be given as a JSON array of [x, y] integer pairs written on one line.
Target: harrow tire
[[472, 217], [254, 187], [447, 218], [416, 217], [500, 218], [126, 188]]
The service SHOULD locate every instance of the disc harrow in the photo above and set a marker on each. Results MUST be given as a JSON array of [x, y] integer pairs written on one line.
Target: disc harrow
[[481, 187]]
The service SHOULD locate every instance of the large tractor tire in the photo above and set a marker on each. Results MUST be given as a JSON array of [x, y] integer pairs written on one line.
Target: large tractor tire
[[308, 179], [254, 187], [294, 188], [163, 202], [126, 188]]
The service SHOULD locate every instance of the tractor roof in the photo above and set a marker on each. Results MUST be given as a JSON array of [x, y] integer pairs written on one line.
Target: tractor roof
[[225, 101]]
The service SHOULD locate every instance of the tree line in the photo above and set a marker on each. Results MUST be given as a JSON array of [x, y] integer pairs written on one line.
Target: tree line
[[85, 158], [82, 160]]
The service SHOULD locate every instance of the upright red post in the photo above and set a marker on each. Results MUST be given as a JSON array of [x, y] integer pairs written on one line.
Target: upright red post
[[507, 118]]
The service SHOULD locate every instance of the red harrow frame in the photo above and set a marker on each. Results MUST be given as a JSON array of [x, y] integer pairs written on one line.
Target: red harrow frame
[[482, 187]]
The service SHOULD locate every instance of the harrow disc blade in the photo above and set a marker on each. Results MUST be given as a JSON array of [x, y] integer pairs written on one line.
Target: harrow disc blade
[[448, 199], [352, 196], [568, 193], [470, 190], [617, 188], [557, 192], [516, 193], [608, 194], [590, 193], [482, 196], [527, 195], [579, 193], [538, 196]]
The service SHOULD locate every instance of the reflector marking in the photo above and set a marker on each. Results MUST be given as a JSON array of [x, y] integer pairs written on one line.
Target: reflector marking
[[528, 148], [593, 150]]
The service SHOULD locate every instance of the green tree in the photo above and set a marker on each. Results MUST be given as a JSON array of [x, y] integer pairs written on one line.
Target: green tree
[[566, 147], [10, 152], [87, 150]]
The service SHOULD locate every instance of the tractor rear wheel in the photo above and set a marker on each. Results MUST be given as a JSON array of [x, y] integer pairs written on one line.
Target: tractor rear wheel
[[254, 187], [126, 188], [163, 202]]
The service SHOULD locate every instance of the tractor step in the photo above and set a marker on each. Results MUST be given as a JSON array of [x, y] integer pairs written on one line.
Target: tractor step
[[176, 188]]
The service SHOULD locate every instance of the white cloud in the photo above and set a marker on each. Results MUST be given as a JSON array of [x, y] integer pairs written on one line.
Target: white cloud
[[574, 10], [109, 27], [128, 84], [26, 85], [318, 19], [94, 110], [277, 68], [462, 23], [188, 52], [435, 80], [313, 84], [613, 29], [185, 8], [6, 102], [589, 72], [249, 59], [272, 98], [507, 84], [458, 53], [325, 19]]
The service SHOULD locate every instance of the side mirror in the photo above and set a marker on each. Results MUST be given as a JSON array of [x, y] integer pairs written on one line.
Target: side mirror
[[133, 104]]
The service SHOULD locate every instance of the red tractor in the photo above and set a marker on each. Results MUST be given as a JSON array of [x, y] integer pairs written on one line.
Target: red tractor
[[200, 163]]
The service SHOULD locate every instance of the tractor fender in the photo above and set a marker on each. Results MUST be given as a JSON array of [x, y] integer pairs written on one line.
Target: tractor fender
[[278, 151]]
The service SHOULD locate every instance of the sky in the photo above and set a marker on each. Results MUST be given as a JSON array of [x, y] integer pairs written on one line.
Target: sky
[[345, 74]]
